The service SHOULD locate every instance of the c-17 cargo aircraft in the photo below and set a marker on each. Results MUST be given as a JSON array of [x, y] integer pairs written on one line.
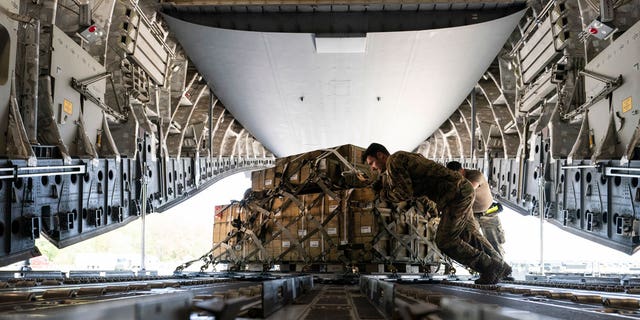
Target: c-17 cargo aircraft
[[114, 109]]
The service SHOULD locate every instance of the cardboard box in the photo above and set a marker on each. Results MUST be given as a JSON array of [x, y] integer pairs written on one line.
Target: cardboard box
[[332, 253], [257, 180], [305, 173], [269, 178], [285, 207], [221, 231], [351, 153], [365, 224], [314, 247], [287, 238], [363, 195], [331, 204], [293, 177], [293, 166], [313, 203], [222, 221], [333, 227], [280, 167], [296, 169], [292, 255], [274, 248], [220, 253]]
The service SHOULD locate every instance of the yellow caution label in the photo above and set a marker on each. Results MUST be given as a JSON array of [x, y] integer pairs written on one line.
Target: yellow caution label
[[627, 104], [67, 107]]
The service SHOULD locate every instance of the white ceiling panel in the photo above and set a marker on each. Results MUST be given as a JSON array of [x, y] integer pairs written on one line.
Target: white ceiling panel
[[294, 98]]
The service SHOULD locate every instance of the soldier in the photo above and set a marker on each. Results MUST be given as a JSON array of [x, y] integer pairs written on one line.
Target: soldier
[[406, 176], [488, 219]]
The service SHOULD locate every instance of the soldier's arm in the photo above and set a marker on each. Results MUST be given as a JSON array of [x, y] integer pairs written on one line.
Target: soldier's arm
[[427, 206], [475, 184], [476, 180], [401, 188]]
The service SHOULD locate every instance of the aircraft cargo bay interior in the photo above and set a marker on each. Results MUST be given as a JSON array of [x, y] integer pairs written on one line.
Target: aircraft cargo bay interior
[[310, 159]]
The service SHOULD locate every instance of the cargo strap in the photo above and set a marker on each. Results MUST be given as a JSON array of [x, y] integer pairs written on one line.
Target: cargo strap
[[287, 177], [257, 208], [296, 242], [416, 236], [229, 251], [318, 227], [326, 189], [344, 161], [207, 257], [293, 199], [284, 229], [387, 227], [257, 241]]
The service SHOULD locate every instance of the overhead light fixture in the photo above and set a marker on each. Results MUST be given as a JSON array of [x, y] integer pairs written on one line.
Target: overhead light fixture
[[351, 43]]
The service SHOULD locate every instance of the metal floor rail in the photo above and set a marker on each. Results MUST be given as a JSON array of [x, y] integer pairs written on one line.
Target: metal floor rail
[[418, 298]]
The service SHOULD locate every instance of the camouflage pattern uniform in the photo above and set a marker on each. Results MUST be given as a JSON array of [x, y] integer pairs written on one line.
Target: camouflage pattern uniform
[[410, 175], [489, 223]]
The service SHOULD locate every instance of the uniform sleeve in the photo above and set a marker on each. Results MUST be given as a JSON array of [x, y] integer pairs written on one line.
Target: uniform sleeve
[[475, 177], [428, 208], [399, 187]]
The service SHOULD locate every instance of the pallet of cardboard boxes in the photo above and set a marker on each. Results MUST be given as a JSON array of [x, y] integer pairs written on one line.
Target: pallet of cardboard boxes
[[317, 209]]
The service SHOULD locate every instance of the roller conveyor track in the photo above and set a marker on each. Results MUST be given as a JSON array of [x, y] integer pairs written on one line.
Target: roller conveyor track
[[562, 300], [48, 296], [203, 296], [561, 307], [254, 296]]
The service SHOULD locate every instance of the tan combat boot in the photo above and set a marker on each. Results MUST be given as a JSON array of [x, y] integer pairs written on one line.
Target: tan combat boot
[[497, 271]]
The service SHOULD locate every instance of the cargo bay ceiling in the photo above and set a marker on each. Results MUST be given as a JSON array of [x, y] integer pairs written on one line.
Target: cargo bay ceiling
[[301, 77]]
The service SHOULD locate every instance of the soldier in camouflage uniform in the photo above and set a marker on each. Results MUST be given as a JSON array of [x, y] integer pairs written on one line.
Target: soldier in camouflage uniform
[[406, 176], [489, 222]]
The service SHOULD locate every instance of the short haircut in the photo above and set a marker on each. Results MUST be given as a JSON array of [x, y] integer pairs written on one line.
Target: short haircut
[[454, 165], [373, 150]]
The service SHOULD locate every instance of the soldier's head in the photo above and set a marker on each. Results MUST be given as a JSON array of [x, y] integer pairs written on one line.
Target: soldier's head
[[455, 166], [376, 157]]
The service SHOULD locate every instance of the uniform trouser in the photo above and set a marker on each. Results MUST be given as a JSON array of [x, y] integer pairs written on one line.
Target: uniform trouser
[[492, 230], [459, 236]]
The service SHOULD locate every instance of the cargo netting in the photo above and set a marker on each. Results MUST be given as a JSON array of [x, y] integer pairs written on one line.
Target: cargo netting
[[317, 209]]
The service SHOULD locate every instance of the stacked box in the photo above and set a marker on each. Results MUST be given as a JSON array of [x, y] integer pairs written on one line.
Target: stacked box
[[309, 224], [364, 224], [336, 227], [304, 208], [294, 172], [222, 223], [314, 247], [284, 207], [274, 247], [257, 180], [269, 180], [297, 230]]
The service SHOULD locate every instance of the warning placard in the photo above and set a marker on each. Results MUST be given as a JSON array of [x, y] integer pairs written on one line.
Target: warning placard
[[627, 104], [67, 106]]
